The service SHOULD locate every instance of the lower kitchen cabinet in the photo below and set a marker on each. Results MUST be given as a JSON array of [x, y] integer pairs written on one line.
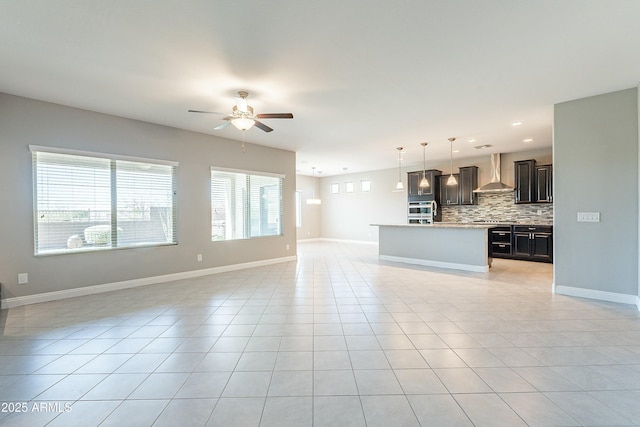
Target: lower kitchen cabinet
[[533, 242], [523, 242], [500, 241]]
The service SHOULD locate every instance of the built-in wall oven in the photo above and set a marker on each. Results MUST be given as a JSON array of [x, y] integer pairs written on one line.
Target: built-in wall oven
[[421, 212]]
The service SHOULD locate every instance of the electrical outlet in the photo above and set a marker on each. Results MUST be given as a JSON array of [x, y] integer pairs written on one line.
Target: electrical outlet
[[588, 216], [287, 246], [23, 278], [199, 257]]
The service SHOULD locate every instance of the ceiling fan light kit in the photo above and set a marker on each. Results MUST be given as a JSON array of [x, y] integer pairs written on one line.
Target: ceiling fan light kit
[[243, 123]]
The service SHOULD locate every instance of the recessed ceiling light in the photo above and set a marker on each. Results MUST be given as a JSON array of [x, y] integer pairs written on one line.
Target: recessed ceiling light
[[456, 151], [528, 140], [472, 141], [514, 124]]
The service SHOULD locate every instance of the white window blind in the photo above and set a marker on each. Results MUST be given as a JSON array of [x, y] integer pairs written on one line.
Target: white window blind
[[83, 202], [245, 205]]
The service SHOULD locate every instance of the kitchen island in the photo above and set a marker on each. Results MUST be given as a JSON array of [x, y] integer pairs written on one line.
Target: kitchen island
[[443, 245]]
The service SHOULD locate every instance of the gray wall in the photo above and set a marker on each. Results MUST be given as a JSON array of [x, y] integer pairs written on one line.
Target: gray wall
[[24, 122], [347, 215], [596, 170]]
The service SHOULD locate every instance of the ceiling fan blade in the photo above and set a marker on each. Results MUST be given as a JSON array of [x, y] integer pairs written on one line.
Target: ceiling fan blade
[[206, 112], [275, 116], [222, 126], [262, 126]]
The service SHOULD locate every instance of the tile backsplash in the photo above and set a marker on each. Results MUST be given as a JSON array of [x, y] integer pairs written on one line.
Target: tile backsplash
[[499, 207]]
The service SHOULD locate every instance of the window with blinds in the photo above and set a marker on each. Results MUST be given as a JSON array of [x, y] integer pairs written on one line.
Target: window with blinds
[[91, 201], [245, 205]]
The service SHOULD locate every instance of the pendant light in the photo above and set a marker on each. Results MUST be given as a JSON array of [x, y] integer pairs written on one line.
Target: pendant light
[[399, 185], [424, 182], [313, 200], [452, 179]]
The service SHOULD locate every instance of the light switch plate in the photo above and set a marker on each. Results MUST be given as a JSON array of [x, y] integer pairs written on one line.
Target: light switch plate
[[588, 216], [23, 278]]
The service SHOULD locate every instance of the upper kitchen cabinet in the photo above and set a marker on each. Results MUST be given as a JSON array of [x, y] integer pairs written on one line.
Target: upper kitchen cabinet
[[417, 193], [544, 186], [533, 183], [449, 194], [524, 180], [468, 182]]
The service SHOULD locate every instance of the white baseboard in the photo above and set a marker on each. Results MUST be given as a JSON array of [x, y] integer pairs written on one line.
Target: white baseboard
[[360, 242], [597, 295], [439, 264], [108, 287]]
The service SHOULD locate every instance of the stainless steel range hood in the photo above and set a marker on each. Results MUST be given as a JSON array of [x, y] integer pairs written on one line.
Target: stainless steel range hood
[[495, 186]]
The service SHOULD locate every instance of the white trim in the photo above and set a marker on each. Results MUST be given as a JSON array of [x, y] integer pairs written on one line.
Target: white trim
[[360, 242], [597, 295], [439, 264], [325, 239], [247, 172], [108, 287], [55, 150]]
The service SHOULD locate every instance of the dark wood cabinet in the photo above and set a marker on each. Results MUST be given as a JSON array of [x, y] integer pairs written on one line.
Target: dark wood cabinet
[[415, 192], [500, 242], [449, 194], [468, 182], [524, 180], [533, 242], [544, 184], [533, 183], [523, 242]]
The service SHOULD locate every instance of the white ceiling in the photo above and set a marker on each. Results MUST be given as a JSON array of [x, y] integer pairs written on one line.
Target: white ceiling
[[361, 77]]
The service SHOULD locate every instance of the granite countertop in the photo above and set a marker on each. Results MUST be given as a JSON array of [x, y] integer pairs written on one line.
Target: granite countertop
[[440, 225], [504, 223], [465, 224]]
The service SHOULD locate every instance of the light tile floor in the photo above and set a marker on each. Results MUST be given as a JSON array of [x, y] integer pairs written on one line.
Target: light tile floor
[[335, 339]]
